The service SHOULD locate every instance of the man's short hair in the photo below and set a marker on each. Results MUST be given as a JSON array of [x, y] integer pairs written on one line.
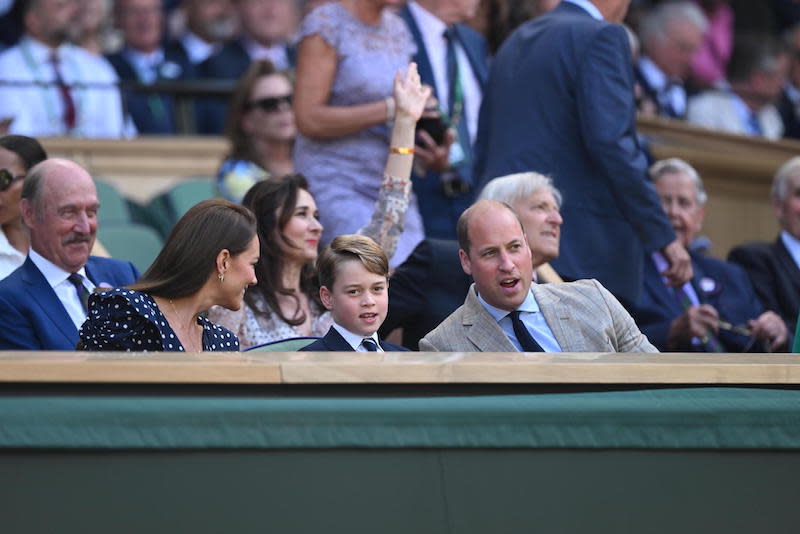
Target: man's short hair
[[462, 227], [348, 248], [513, 187], [782, 181], [677, 165], [753, 53], [655, 23]]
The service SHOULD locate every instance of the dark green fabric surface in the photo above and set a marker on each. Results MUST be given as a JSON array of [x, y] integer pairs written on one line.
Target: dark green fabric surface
[[709, 418]]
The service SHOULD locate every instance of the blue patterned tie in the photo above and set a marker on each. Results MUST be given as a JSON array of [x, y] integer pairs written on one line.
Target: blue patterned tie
[[369, 345], [83, 294]]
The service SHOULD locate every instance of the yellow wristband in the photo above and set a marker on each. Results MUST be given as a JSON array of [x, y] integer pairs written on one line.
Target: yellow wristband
[[401, 150]]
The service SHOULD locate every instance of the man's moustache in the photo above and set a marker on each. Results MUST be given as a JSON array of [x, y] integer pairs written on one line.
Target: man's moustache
[[77, 239]]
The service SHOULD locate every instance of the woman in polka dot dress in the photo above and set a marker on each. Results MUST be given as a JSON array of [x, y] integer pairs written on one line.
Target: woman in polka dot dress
[[208, 260]]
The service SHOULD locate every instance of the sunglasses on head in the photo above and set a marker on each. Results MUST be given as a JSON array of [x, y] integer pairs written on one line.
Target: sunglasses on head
[[6, 179], [270, 104]]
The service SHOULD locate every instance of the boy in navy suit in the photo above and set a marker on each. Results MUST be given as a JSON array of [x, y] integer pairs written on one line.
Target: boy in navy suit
[[354, 278]]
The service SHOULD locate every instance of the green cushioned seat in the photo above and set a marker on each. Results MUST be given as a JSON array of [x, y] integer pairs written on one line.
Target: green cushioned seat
[[136, 243], [113, 206]]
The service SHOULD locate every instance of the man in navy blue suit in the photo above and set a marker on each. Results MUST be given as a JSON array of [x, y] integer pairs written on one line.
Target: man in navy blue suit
[[43, 303], [267, 27], [717, 311], [145, 60], [560, 101], [447, 189]]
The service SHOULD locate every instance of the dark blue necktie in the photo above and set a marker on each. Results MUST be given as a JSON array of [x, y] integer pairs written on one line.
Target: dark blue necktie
[[83, 294], [523, 336], [455, 105], [369, 345]]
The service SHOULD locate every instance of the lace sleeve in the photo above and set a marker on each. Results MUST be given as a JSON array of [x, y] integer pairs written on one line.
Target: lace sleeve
[[389, 217], [325, 21]]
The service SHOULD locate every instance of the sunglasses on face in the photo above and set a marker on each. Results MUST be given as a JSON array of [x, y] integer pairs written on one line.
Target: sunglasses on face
[[6, 179], [271, 104]]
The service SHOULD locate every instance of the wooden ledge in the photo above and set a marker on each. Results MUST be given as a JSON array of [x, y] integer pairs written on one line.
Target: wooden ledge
[[399, 368]]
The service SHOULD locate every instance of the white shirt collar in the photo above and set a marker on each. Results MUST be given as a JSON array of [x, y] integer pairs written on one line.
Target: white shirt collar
[[54, 274], [428, 23], [792, 244], [588, 7], [528, 305], [654, 75], [196, 48], [354, 340], [40, 52]]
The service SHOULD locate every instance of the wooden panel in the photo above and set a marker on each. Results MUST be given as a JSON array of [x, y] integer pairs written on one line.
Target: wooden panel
[[400, 368]]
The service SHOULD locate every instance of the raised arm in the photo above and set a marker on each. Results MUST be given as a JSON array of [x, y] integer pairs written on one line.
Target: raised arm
[[316, 70], [389, 215]]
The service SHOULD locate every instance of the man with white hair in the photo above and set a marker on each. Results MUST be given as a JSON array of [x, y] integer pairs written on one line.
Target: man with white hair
[[717, 310], [774, 268], [671, 34]]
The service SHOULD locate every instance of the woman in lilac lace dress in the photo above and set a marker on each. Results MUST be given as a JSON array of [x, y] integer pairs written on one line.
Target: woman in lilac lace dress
[[349, 53]]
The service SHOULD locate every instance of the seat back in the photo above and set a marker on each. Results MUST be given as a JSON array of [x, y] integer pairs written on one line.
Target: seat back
[[113, 206], [136, 243]]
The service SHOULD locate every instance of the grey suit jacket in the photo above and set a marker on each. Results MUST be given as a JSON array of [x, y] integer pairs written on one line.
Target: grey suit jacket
[[583, 316]]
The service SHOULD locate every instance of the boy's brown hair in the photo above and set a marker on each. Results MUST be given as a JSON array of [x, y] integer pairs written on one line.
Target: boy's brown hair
[[350, 247]]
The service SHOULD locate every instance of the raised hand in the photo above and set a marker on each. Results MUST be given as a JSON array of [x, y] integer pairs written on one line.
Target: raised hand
[[409, 94]]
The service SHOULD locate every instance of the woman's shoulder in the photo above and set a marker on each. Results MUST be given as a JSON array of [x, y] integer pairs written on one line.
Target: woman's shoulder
[[218, 338], [123, 319], [124, 299]]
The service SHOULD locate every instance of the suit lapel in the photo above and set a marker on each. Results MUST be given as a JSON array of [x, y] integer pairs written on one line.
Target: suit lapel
[[560, 319], [787, 264], [481, 328], [421, 58], [476, 62], [41, 293], [663, 296], [335, 342]]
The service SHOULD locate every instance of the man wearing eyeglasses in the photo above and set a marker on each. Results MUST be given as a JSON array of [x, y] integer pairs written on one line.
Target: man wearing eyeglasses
[[717, 310], [44, 302]]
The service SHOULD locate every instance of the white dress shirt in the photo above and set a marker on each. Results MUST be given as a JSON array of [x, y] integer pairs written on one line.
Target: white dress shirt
[[196, 48], [38, 111], [533, 319], [432, 30], [355, 341], [10, 258], [276, 54], [669, 95], [63, 288]]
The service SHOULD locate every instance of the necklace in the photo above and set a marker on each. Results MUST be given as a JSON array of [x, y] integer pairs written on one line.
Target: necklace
[[189, 336]]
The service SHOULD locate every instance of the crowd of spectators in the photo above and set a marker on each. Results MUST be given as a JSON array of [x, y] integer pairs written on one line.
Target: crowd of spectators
[[510, 88]]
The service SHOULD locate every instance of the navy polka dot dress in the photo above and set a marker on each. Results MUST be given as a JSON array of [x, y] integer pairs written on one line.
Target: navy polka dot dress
[[125, 320]]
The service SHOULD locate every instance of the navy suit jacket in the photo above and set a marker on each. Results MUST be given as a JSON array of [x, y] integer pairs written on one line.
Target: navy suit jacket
[[229, 63], [560, 101], [439, 212], [723, 285], [333, 341], [775, 277], [425, 290], [34, 317], [140, 105]]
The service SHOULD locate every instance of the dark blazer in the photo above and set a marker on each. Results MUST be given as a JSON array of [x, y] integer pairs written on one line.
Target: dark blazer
[[723, 285], [153, 113], [333, 341], [425, 290], [789, 116], [775, 277], [560, 101], [440, 212], [229, 63], [34, 317]]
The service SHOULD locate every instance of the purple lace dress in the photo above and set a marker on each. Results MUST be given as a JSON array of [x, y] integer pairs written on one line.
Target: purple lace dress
[[345, 173]]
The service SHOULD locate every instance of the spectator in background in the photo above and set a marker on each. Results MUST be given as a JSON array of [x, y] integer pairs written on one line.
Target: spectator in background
[[92, 29], [453, 60], [670, 34], [50, 87], [285, 302], [144, 60], [789, 102], [46, 298], [267, 29], [208, 259], [710, 61], [717, 310], [756, 73], [774, 268], [209, 23], [18, 154], [261, 131], [348, 54], [560, 100]]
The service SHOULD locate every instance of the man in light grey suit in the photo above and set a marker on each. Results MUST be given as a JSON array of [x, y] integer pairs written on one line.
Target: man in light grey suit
[[504, 312]]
